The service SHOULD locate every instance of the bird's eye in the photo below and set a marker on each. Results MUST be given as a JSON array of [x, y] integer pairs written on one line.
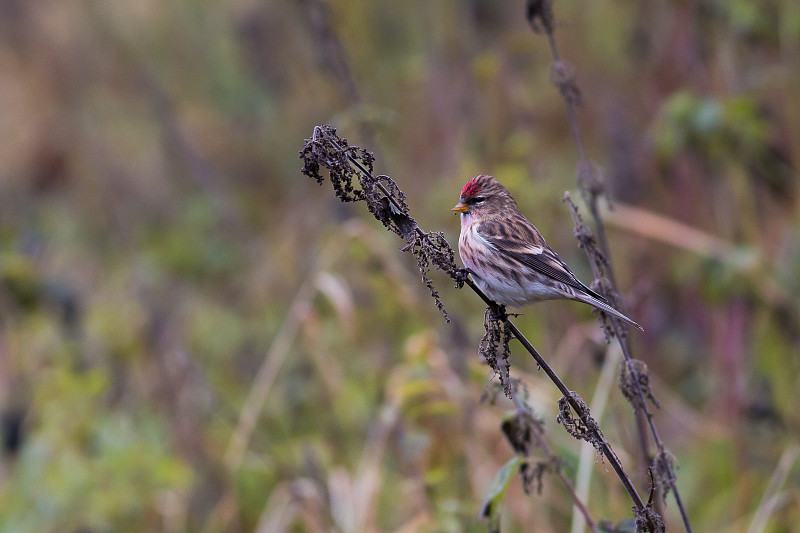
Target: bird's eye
[[479, 199]]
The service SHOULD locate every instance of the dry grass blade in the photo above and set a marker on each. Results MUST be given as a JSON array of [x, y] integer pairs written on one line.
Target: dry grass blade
[[274, 359]]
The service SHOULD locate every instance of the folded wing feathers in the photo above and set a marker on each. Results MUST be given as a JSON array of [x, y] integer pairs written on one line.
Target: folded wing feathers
[[539, 256], [542, 259]]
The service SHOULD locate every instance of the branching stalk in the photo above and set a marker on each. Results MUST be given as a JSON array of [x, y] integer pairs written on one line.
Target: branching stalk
[[540, 15], [386, 202]]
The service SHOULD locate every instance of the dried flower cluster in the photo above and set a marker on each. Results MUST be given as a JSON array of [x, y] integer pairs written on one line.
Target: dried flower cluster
[[582, 427], [634, 377], [523, 431], [496, 337], [540, 15], [350, 170]]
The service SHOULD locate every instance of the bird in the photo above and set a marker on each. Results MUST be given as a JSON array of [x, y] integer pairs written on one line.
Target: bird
[[508, 258]]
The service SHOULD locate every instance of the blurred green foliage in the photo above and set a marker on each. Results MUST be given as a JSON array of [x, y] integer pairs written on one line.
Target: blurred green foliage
[[194, 337]]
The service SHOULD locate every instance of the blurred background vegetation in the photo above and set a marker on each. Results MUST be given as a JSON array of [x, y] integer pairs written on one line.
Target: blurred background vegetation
[[197, 338]]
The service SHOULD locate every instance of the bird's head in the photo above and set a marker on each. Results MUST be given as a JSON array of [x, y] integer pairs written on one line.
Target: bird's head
[[484, 198]]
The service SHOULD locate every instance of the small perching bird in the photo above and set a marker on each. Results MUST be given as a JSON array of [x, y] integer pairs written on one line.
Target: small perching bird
[[508, 257]]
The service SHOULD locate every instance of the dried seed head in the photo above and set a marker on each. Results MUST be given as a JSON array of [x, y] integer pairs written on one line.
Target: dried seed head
[[350, 170]]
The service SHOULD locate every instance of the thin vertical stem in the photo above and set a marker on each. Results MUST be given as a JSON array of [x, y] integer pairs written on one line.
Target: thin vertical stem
[[540, 14]]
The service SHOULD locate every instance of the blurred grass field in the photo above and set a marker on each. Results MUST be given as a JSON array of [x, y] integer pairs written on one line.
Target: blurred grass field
[[195, 337]]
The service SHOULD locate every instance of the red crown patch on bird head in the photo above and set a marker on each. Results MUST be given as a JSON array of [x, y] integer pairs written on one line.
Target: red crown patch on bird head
[[474, 186]]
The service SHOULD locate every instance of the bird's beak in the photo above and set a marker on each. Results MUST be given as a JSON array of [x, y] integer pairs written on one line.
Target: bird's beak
[[460, 207]]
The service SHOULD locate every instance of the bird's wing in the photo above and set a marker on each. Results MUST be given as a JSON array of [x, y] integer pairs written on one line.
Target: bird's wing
[[522, 242]]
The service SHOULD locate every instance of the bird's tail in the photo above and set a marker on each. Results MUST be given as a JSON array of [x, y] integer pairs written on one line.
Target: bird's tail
[[603, 306]]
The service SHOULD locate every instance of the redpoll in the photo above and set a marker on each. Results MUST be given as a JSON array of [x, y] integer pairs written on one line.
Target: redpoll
[[507, 256]]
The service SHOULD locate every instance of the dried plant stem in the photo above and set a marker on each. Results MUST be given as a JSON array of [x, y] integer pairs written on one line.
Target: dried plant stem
[[618, 328], [605, 447], [541, 442], [578, 407], [540, 16]]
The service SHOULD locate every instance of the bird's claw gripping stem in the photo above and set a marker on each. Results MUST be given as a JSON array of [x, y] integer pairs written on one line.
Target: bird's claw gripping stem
[[460, 277], [498, 312]]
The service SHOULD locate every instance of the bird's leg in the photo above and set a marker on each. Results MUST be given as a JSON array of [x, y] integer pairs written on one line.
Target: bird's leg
[[460, 277], [498, 312]]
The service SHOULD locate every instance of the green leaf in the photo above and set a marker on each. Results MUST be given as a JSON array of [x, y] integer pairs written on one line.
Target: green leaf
[[497, 490]]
